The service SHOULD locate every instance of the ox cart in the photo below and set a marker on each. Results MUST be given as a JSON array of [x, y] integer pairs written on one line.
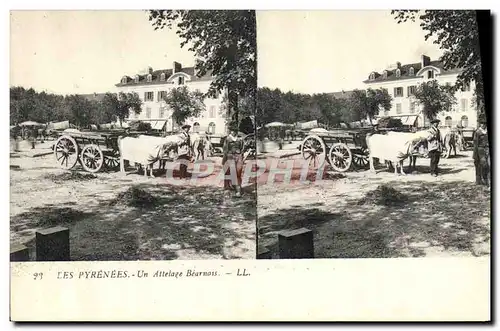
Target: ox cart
[[343, 149], [93, 150]]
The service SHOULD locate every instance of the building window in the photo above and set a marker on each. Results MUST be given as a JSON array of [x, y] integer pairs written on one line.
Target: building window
[[463, 105], [412, 71], [385, 74], [162, 77], [372, 76], [162, 95], [465, 121], [398, 92], [447, 121], [211, 128], [430, 74], [412, 107], [124, 80], [398, 108], [162, 112], [148, 112], [136, 79], [398, 73], [180, 81], [211, 113], [150, 78], [411, 90], [148, 96]]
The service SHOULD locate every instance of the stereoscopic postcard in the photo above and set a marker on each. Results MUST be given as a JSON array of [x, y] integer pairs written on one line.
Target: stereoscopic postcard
[[250, 165]]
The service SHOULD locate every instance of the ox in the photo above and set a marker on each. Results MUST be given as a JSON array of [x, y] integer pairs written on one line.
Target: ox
[[147, 150], [449, 140], [394, 147]]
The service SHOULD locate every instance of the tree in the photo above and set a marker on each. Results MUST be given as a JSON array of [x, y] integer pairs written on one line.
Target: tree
[[367, 104], [456, 33], [224, 42], [121, 105], [184, 104], [434, 98]]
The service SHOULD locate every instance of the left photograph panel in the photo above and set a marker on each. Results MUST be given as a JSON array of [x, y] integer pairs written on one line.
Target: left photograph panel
[[129, 132]]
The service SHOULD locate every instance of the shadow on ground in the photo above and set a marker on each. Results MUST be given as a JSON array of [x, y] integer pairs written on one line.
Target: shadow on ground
[[430, 217], [151, 222]]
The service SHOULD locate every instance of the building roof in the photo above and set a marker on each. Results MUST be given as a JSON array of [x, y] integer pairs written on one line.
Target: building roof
[[156, 75], [405, 72]]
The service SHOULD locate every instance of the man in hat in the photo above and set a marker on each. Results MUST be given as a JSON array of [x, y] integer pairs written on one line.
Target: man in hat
[[184, 151], [434, 146], [481, 152], [233, 153]]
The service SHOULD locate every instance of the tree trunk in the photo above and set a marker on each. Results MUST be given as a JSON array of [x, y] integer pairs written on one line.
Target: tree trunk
[[232, 116]]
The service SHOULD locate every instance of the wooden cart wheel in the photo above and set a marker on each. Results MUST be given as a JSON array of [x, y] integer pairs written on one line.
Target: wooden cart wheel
[[66, 152], [313, 150], [360, 159], [340, 157], [112, 161], [92, 158]]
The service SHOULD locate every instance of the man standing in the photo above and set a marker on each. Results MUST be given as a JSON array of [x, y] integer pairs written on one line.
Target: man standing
[[233, 149], [434, 146], [481, 153], [184, 151]]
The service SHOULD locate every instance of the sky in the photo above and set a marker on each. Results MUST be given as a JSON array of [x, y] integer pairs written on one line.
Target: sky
[[331, 51], [73, 52], [69, 52]]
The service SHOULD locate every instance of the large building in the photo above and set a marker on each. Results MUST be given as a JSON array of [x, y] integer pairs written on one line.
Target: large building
[[400, 81], [153, 85]]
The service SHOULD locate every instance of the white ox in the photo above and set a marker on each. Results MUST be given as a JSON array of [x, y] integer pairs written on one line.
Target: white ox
[[146, 150], [393, 147]]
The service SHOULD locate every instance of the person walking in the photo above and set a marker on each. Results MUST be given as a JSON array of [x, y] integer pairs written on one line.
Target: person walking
[[434, 147], [481, 152]]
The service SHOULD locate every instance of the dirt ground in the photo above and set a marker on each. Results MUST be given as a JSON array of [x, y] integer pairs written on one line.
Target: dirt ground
[[184, 221], [363, 215]]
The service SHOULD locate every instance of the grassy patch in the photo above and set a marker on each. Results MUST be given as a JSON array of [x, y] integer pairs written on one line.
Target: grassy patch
[[135, 197], [70, 176], [384, 195]]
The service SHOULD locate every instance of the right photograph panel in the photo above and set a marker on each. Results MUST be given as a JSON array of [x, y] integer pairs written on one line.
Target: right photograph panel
[[372, 135]]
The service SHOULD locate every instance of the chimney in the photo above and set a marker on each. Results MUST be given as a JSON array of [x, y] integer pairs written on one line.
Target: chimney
[[425, 60], [150, 70], [176, 67]]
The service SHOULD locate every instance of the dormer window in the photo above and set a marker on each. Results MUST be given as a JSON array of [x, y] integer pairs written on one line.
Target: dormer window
[[430, 74], [398, 73], [150, 78], [136, 78], [162, 77], [372, 76], [124, 80], [180, 81], [412, 71], [385, 74]]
